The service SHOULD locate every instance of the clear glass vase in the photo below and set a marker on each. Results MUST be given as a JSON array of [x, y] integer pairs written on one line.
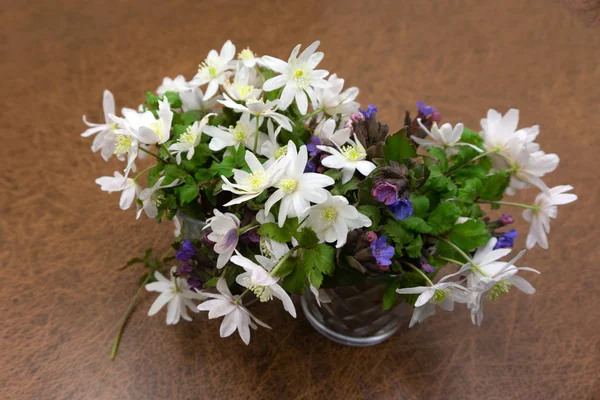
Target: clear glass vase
[[191, 227], [354, 317]]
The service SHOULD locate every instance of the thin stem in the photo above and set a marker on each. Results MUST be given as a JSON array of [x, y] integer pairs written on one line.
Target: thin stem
[[311, 114], [453, 170], [259, 73], [248, 227], [450, 260], [420, 272], [149, 152], [138, 175], [256, 135], [455, 247], [115, 346], [215, 158], [508, 203], [169, 153]]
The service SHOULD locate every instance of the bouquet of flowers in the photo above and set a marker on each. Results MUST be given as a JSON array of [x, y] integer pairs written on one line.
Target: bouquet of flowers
[[300, 189]]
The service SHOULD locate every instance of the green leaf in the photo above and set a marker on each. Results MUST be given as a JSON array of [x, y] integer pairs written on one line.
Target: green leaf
[[135, 260], [307, 237], [440, 155], [295, 282], [316, 278], [398, 147], [203, 175], [174, 172], [325, 258], [472, 137], [373, 213], [443, 218], [495, 185], [469, 235], [187, 193], [389, 294], [286, 267], [420, 204], [438, 182], [413, 250], [173, 98], [396, 231], [191, 116], [350, 185], [415, 224], [273, 231], [309, 259], [212, 282], [470, 190], [239, 156], [224, 168]]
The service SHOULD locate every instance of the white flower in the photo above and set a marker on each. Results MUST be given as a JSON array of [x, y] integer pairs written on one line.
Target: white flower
[[261, 109], [444, 137], [176, 226], [333, 101], [225, 233], [334, 218], [493, 277], [191, 96], [245, 85], [269, 247], [215, 69], [443, 293], [539, 218], [188, 140], [327, 133], [105, 135], [126, 143], [250, 185], [176, 293], [260, 282], [297, 189], [248, 58], [147, 128], [178, 84], [348, 158], [119, 183], [271, 148], [298, 77], [498, 130], [237, 317], [153, 197], [242, 133]]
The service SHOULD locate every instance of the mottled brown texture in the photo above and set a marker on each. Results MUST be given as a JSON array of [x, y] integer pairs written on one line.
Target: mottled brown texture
[[62, 238]]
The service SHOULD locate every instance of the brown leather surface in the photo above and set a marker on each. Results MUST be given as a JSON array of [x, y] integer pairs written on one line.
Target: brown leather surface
[[62, 238]]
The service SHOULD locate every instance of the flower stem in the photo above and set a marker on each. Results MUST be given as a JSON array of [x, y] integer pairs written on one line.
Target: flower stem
[[169, 153], [248, 227], [151, 153], [450, 260], [455, 247], [138, 175], [420, 272], [256, 136], [311, 114], [115, 346], [508, 203], [453, 170]]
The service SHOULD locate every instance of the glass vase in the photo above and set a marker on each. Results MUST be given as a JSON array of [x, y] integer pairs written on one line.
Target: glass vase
[[354, 316], [191, 227]]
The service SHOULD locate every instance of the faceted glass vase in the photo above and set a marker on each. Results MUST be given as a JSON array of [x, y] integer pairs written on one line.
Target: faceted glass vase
[[191, 228], [354, 317]]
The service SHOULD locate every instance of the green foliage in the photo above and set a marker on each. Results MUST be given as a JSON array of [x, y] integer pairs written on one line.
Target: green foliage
[[398, 232], [224, 168], [469, 235], [443, 218], [389, 294], [439, 155], [470, 190], [273, 231], [415, 224], [413, 249], [373, 213], [398, 147], [420, 204], [495, 185], [295, 281], [325, 258], [307, 237], [189, 191]]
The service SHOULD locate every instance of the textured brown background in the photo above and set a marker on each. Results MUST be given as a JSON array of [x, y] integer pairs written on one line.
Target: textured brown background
[[62, 239]]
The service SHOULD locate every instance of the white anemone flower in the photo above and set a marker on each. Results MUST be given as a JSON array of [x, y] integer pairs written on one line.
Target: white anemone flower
[[119, 183], [261, 177], [237, 317], [178, 84], [245, 85], [215, 70], [259, 108], [493, 277], [269, 247], [335, 102], [244, 133], [153, 197], [126, 143], [225, 233], [105, 133], [260, 282], [176, 293], [445, 137], [443, 293], [348, 159], [191, 97], [334, 218], [248, 58], [298, 77], [151, 130], [271, 148], [190, 139], [546, 208], [328, 134], [297, 189], [498, 130]]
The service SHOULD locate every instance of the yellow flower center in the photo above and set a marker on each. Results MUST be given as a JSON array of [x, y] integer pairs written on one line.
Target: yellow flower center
[[122, 144], [498, 290], [281, 152], [157, 127], [157, 198], [354, 153], [264, 293], [187, 137], [302, 77], [438, 296], [243, 90], [241, 132], [288, 185], [246, 54], [256, 180], [209, 67], [329, 214]]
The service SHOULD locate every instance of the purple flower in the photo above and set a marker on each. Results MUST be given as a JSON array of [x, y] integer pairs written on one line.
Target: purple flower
[[507, 240], [402, 208], [371, 236], [312, 146], [184, 269], [195, 283], [506, 219], [425, 266], [186, 251], [311, 166], [385, 193], [250, 236], [371, 109], [382, 252], [428, 112], [357, 116]]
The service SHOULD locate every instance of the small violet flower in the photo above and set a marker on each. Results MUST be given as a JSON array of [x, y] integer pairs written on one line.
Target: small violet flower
[[312, 146], [385, 193], [506, 241], [186, 251], [184, 269], [425, 266], [506, 219], [357, 116], [371, 109], [371, 236], [429, 111], [402, 208], [382, 252]]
